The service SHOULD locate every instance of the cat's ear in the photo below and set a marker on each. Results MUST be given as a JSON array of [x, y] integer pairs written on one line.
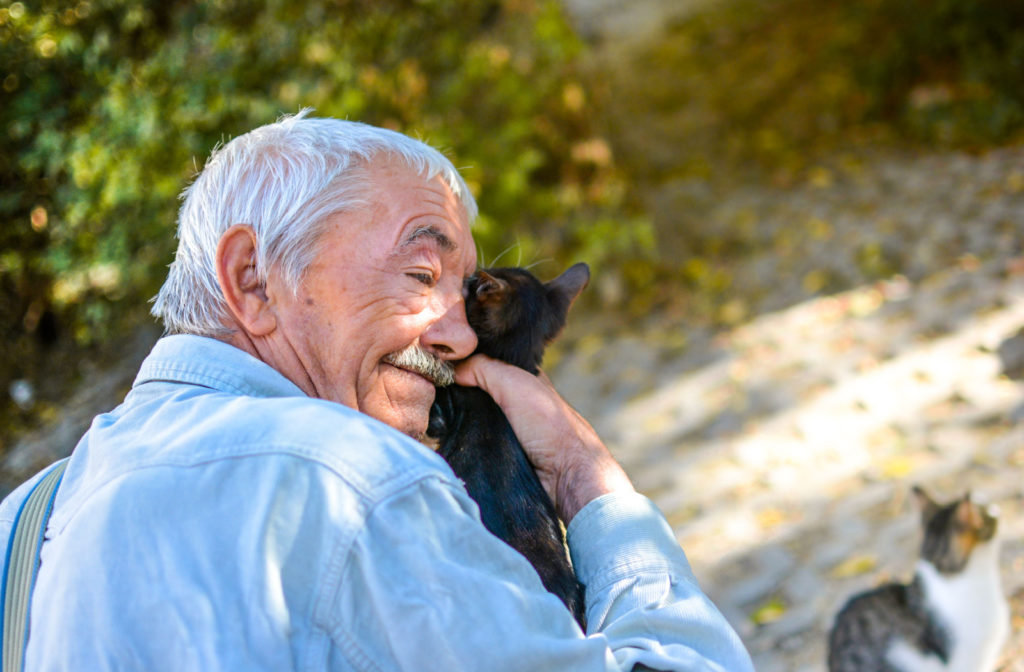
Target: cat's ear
[[968, 514], [564, 289], [925, 503], [489, 289]]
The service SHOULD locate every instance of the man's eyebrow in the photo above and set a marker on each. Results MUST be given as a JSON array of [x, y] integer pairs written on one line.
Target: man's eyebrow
[[432, 232]]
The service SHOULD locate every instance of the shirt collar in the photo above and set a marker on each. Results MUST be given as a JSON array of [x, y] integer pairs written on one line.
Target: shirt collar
[[199, 360]]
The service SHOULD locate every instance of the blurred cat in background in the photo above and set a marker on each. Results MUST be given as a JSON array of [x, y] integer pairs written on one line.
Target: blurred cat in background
[[952, 617]]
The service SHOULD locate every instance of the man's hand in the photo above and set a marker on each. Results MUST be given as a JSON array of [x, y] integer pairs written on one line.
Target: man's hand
[[573, 464]]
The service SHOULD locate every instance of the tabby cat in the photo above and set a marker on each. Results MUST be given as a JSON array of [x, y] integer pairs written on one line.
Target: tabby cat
[[951, 617], [515, 316]]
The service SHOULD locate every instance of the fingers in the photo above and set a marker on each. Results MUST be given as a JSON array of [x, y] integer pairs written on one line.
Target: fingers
[[573, 464], [495, 376], [474, 372], [529, 402]]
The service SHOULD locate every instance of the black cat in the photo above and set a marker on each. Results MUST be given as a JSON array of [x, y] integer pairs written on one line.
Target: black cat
[[515, 316]]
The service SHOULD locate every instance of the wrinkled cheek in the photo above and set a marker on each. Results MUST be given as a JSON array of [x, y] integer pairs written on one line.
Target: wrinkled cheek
[[415, 414], [404, 406]]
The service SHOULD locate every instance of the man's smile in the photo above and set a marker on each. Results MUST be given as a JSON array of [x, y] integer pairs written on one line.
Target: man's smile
[[420, 362]]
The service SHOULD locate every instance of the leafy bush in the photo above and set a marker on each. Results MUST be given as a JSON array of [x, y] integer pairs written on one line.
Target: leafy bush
[[110, 106], [778, 83]]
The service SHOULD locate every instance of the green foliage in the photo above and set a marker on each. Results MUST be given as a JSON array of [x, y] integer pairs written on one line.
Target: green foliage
[[793, 92], [110, 106], [778, 83], [946, 71]]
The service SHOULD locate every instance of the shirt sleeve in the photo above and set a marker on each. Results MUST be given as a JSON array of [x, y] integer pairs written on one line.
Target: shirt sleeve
[[641, 593], [423, 585]]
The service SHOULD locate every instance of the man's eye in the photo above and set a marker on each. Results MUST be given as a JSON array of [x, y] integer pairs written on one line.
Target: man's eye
[[424, 278]]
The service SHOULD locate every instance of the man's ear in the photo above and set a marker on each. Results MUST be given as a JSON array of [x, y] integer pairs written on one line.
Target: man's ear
[[245, 295]]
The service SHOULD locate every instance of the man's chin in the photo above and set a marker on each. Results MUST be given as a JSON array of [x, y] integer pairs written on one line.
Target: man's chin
[[404, 403], [410, 422], [414, 428]]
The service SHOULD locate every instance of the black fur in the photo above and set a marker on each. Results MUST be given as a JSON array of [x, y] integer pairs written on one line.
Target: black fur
[[515, 316]]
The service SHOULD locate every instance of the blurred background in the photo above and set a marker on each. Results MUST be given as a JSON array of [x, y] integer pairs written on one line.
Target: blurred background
[[803, 218]]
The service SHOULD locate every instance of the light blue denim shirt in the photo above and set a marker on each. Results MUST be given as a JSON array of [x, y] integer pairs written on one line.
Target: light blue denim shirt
[[220, 519]]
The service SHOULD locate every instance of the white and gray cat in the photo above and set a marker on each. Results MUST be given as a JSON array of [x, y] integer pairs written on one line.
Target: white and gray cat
[[952, 617]]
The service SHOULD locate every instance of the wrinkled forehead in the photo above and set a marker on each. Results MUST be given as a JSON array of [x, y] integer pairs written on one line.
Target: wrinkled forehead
[[420, 210], [384, 175]]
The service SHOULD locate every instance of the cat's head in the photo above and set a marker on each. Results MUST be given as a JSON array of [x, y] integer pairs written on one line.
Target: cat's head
[[515, 315], [953, 531]]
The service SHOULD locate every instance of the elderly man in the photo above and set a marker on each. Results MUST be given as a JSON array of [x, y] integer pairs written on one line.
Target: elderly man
[[251, 506]]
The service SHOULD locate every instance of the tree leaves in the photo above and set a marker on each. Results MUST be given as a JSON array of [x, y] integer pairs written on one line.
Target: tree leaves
[[109, 107]]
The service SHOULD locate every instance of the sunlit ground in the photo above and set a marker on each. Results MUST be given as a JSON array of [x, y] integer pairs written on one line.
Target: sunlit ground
[[784, 461]]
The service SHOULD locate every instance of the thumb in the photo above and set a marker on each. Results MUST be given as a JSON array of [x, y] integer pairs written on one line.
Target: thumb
[[493, 376], [472, 372]]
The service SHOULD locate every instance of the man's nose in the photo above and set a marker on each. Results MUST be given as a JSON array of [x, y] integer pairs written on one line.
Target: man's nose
[[450, 337]]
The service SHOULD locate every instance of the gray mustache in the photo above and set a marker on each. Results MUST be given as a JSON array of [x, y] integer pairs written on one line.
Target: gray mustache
[[438, 371]]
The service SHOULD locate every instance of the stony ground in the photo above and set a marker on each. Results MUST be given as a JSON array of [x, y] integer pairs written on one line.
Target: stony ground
[[783, 451]]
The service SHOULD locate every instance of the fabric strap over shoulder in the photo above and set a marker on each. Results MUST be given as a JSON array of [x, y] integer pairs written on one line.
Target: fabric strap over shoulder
[[21, 564]]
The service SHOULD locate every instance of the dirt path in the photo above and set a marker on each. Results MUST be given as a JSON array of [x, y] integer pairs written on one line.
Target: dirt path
[[783, 450], [785, 460]]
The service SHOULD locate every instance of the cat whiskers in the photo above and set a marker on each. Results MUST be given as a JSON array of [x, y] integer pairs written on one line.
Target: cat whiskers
[[494, 262], [538, 263]]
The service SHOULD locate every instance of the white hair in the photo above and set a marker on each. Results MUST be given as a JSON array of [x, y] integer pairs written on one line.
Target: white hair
[[283, 180]]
